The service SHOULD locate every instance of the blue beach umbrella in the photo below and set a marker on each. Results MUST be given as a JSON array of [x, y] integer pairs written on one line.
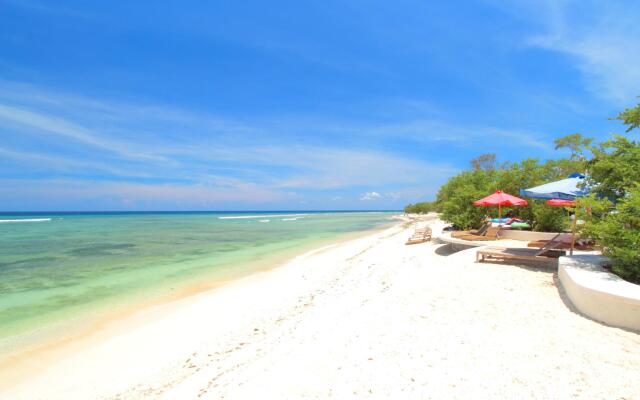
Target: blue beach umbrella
[[565, 189]]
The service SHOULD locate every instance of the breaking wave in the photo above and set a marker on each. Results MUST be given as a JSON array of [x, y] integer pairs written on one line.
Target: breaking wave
[[261, 216], [25, 220]]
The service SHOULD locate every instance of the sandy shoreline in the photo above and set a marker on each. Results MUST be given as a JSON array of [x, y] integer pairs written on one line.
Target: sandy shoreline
[[369, 317], [24, 359], [20, 367]]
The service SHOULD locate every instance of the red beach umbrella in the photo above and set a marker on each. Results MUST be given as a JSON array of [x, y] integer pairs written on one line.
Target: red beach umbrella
[[561, 203], [500, 198]]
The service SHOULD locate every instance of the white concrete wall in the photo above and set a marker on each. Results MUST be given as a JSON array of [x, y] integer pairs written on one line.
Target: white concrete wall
[[526, 236], [458, 244], [598, 293]]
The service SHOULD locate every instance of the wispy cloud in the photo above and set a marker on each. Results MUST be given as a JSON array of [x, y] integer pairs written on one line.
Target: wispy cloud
[[603, 39], [469, 135], [89, 194], [171, 149], [59, 126], [370, 196], [220, 159], [50, 163]]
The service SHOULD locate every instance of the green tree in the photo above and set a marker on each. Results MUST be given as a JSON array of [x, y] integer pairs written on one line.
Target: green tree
[[484, 162], [576, 143], [421, 208], [617, 230], [630, 117], [615, 167], [547, 218], [612, 212], [529, 173], [579, 146], [456, 198]]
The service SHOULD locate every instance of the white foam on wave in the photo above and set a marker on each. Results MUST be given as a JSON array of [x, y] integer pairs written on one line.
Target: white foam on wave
[[264, 220], [289, 219], [25, 220], [261, 216]]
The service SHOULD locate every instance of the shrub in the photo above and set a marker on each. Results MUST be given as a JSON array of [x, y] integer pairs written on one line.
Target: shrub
[[547, 218], [421, 208], [615, 166], [456, 198], [617, 230]]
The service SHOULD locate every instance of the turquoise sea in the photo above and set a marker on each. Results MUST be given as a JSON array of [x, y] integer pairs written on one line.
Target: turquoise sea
[[61, 271]]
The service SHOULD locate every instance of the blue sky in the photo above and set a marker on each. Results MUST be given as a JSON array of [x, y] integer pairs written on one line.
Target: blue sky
[[194, 105]]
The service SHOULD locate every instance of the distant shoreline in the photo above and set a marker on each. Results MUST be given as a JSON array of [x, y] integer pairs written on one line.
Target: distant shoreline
[[162, 212]]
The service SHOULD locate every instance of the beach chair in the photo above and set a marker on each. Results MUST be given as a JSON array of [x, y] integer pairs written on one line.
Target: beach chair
[[518, 253], [420, 235], [548, 253], [564, 243], [490, 234], [481, 231]]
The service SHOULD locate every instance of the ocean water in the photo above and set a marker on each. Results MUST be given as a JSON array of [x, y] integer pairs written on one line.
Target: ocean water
[[61, 271]]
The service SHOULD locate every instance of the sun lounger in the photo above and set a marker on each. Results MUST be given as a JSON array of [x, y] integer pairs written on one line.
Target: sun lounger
[[490, 234], [518, 253], [481, 230], [564, 243], [420, 235], [548, 252], [478, 232]]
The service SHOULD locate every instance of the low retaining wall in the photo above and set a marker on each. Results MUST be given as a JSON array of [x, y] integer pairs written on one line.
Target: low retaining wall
[[526, 236], [598, 293], [458, 244]]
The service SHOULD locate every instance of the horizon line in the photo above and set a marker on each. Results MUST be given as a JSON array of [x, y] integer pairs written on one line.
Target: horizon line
[[190, 211]]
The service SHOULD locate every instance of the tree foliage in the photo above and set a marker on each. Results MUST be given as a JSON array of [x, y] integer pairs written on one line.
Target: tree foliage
[[484, 162], [421, 208], [457, 195], [576, 143], [630, 117], [615, 167], [614, 207], [617, 230]]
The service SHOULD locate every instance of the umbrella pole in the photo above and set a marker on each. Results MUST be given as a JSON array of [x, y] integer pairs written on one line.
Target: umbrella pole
[[499, 211], [573, 230]]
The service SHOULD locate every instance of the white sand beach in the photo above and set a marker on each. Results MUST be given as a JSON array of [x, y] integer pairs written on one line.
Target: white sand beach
[[367, 318]]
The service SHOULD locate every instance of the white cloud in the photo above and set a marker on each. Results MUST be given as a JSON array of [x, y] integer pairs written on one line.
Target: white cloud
[[603, 39], [62, 127], [48, 162], [370, 196], [440, 131], [128, 195], [77, 139]]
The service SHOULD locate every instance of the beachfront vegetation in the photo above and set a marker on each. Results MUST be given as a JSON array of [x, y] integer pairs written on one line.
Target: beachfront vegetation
[[615, 227], [455, 197], [612, 212], [421, 208], [615, 166], [630, 117]]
